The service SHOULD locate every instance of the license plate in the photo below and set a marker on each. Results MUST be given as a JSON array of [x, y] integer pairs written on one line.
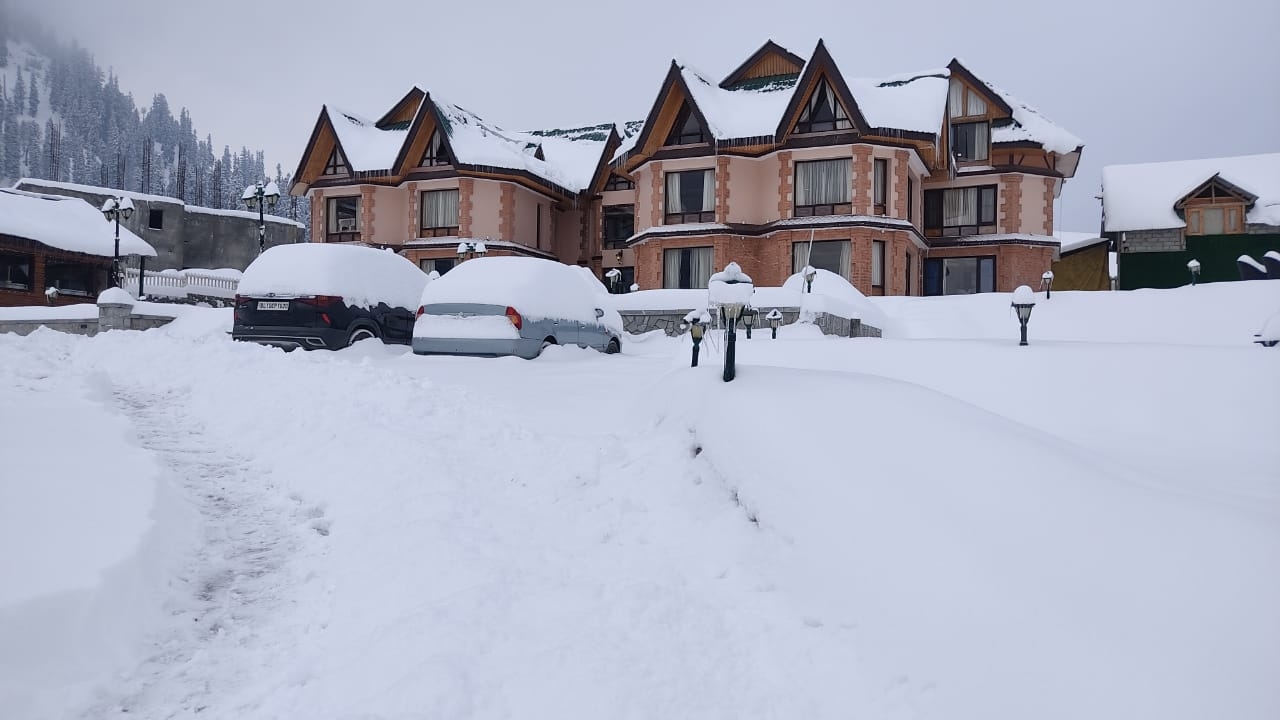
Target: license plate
[[272, 305]]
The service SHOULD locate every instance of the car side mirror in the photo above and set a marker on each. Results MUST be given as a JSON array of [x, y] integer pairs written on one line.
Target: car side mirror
[[599, 313]]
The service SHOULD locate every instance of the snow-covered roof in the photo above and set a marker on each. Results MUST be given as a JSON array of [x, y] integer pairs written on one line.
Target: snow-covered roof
[[26, 183], [1142, 196], [913, 101], [365, 145], [65, 223], [1072, 240], [739, 113]]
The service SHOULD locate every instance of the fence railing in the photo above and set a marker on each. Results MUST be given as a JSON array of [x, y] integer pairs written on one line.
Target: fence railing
[[180, 283]]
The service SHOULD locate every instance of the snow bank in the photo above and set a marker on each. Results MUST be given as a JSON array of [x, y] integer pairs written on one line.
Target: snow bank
[[363, 276], [842, 298], [536, 288], [79, 311], [65, 223]]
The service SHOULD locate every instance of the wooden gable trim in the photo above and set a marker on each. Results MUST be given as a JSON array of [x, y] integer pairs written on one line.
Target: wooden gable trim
[[308, 170], [770, 48], [1240, 194], [661, 117], [402, 111], [820, 66], [603, 169], [420, 134], [962, 73]]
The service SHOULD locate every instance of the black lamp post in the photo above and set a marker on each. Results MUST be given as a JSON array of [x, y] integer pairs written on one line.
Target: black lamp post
[[732, 311], [468, 249], [774, 317], [730, 290], [1194, 267], [614, 276], [1046, 283], [810, 273], [261, 196], [114, 209], [749, 319], [696, 330], [1023, 300]]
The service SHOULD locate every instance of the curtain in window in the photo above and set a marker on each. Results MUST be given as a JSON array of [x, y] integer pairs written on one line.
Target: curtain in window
[[960, 207], [981, 133], [700, 268], [955, 99], [691, 191], [440, 209], [671, 269], [880, 181], [877, 262], [708, 191], [799, 256], [824, 182], [976, 105], [830, 255], [673, 193], [1213, 221]]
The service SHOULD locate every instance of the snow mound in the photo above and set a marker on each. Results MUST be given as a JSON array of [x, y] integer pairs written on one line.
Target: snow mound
[[115, 295]]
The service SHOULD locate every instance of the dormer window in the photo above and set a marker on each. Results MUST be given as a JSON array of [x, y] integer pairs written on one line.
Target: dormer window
[[823, 112], [970, 126], [435, 154], [687, 130], [337, 164], [964, 102], [617, 182], [1215, 209]]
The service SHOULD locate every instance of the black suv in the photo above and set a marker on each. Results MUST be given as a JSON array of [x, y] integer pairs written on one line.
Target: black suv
[[317, 322]]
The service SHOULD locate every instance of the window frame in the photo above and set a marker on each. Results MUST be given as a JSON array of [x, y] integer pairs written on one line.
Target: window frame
[[336, 164], [685, 270], [9, 260], [617, 182], [678, 218], [332, 232], [678, 136], [845, 255], [935, 204], [1233, 218], [880, 186], [606, 214], [878, 253], [423, 264], [981, 153], [92, 276], [840, 120], [820, 209], [152, 215], [979, 261], [435, 155], [437, 230]]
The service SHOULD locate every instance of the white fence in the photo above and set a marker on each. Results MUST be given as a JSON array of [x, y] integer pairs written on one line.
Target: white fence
[[183, 283]]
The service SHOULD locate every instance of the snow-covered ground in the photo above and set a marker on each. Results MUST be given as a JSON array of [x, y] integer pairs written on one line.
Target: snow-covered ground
[[939, 524]]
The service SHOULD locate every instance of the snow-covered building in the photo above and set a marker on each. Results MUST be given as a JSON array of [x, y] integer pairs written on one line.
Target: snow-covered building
[[1163, 215], [933, 182], [1084, 262], [49, 241], [184, 236]]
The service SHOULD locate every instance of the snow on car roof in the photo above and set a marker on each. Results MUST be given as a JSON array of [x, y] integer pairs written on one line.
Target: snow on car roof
[[536, 288], [360, 275]]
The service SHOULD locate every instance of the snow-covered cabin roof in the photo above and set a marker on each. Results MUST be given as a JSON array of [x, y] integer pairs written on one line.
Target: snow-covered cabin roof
[[36, 184], [65, 223], [1142, 196], [1074, 240]]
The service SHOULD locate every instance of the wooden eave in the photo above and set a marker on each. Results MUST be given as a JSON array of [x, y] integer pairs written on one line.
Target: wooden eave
[[1245, 196], [301, 177], [402, 111], [769, 48], [975, 83], [821, 64], [662, 116], [416, 142], [603, 169]]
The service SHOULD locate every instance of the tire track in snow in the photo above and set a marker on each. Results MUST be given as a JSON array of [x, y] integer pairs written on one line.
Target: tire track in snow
[[230, 590]]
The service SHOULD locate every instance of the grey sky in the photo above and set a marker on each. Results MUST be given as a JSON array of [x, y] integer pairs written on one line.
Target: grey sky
[[1138, 80]]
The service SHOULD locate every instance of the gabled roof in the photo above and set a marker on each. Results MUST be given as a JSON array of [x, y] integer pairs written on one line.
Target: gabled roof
[[1144, 196], [65, 223], [1219, 182], [366, 147], [820, 64], [1028, 125], [769, 48]]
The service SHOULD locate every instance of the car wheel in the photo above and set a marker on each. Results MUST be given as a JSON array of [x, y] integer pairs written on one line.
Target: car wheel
[[546, 343], [614, 347], [360, 334]]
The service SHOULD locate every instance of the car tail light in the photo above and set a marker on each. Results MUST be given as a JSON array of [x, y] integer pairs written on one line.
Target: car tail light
[[319, 301], [422, 309], [515, 318], [325, 318]]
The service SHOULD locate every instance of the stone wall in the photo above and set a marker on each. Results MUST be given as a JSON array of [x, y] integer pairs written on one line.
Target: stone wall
[[111, 316], [670, 322], [1168, 240]]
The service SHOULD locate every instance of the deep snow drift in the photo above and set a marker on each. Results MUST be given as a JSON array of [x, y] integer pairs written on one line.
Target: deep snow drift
[[899, 528]]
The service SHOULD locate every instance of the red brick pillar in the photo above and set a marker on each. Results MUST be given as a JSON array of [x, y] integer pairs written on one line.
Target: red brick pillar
[[1010, 204], [1049, 185], [366, 214], [900, 185], [863, 172], [507, 213], [722, 189], [656, 190], [784, 185], [318, 233], [465, 187], [413, 227]]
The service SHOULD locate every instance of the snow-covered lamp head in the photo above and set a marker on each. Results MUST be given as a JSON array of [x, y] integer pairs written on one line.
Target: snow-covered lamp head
[[1024, 299]]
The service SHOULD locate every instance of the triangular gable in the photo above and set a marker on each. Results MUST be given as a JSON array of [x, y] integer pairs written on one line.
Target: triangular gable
[[662, 116], [1219, 187], [975, 83], [322, 144], [820, 67], [603, 168], [403, 111], [426, 126], [770, 60]]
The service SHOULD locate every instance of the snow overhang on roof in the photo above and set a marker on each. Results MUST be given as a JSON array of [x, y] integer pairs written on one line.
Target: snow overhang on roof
[[365, 146], [1143, 196], [739, 114], [65, 223]]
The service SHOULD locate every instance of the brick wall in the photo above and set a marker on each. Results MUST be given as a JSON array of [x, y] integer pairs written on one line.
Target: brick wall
[[656, 199], [785, 190], [318, 233], [900, 160], [466, 186], [412, 220], [722, 189], [366, 214], [1049, 185], [1010, 213], [507, 213], [1167, 240], [863, 173]]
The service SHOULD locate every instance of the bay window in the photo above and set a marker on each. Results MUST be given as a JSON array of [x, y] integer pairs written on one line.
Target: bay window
[[956, 212], [344, 219], [691, 197], [686, 268], [829, 255], [439, 213], [824, 187]]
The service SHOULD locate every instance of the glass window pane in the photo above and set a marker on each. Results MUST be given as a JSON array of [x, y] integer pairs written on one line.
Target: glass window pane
[[877, 262], [1212, 221], [830, 255], [987, 275], [959, 276]]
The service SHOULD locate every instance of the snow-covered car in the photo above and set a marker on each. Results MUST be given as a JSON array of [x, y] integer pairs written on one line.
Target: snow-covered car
[[321, 296], [497, 306]]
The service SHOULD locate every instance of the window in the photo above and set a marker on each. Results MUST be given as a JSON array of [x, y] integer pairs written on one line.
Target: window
[[824, 187], [73, 278], [617, 182], [970, 141], [155, 219], [959, 276], [15, 272], [440, 265], [337, 165], [619, 225], [830, 255], [344, 219], [686, 268], [622, 282], [881, 186], [1209, 220], [687, 130], [439, 213], [956, 212], [911, 200], [435, 154], [908, 266], [877, 265], [964, 102], [691, 197], [823, 112]]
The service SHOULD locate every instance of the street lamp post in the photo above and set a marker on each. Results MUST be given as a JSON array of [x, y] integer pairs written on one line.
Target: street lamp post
[[774, 317], [810, 272], [615, 276], [1023, 300], [1046, 283], [696, 322], [114, 209], [261, 196], [748, 319], [730, 290], [1194, 267], [468, 249]]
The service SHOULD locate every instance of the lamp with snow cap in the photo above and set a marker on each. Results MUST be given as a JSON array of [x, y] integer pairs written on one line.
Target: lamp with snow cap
[[1194, 266], [810, 272], [261, 196], [1024, 299], [696, 322], [731, 291], [775, 318], [1046, 283], [113, 210], [749, 319], [468, 249]]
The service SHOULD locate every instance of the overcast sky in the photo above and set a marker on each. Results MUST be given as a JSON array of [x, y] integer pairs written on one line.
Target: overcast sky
[[1138, 80]]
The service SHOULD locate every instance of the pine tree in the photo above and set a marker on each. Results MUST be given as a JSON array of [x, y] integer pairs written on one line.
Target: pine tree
[[19, 93], [34, 104]]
